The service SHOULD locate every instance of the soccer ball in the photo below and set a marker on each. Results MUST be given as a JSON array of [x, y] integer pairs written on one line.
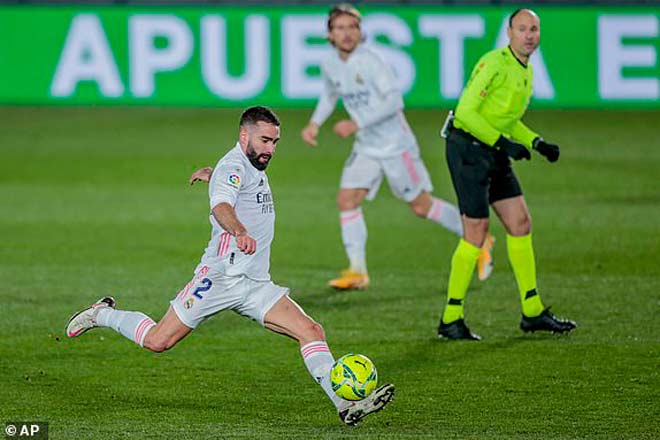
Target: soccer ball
[[353, 377]]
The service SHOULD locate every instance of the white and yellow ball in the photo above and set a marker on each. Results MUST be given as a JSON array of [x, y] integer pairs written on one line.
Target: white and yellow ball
[[353, 377]]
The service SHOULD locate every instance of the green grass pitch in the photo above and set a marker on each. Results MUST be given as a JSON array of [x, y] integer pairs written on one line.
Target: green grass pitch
[[95, 201]]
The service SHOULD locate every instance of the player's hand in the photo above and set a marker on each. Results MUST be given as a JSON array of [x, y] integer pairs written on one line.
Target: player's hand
[[345, 128], [309, 134], [201, 175], [546, 149], [513, 149], [245, 243]]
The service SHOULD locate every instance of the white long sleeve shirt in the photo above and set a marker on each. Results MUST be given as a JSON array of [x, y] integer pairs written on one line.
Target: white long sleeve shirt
[[368, 89]]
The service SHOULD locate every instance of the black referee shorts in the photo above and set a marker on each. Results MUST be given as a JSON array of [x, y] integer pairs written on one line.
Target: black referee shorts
[[481, 174]]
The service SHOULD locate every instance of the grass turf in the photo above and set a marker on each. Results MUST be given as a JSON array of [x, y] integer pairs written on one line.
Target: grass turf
[[95, 202]]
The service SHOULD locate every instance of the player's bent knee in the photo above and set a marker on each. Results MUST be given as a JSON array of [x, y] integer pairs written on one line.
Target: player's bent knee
[[349, 199], [345, 203], [317, 329], [422, 204], [313, 332], [158, 345], [419, 210]]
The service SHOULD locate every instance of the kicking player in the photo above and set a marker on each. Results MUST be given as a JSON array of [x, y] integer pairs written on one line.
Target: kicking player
[[234, 271], [384, 145]]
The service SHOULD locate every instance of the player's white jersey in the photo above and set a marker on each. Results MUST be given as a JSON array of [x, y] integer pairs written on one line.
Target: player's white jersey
[[237, 182], [366, 85]]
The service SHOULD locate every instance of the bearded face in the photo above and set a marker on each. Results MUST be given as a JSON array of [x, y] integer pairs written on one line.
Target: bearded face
[[258, 142], [258, 160]]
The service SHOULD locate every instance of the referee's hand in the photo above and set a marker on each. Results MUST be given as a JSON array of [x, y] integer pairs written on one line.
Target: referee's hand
[[513, 149], [546, 149]]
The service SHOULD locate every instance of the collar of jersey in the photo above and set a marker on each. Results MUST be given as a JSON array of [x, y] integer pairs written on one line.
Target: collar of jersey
[[352, 55], [513, 55]]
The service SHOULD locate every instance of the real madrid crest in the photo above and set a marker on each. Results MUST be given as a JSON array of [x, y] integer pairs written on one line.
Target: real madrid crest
[[189, 303], [358, 79]]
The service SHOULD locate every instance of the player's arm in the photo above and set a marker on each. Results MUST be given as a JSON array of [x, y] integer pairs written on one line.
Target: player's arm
[[390, 103], [201, 175], [224, 194], [324, 108], [225, 215], [483, 78]]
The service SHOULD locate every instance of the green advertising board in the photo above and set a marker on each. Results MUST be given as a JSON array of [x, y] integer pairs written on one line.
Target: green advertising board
[[211, 56]]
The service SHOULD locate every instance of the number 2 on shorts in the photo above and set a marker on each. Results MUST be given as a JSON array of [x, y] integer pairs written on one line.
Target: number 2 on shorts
[[206, 286]]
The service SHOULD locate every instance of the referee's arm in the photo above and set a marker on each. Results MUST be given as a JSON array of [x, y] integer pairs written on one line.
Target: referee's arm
[[521, 133], [472, 98]]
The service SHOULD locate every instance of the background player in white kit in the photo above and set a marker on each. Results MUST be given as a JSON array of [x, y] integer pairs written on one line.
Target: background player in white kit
[[234, 270], [384, 144]]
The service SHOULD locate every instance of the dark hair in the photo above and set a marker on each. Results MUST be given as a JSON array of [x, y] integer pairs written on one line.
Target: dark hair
[[258, 113], [343, 9], [512, 16]]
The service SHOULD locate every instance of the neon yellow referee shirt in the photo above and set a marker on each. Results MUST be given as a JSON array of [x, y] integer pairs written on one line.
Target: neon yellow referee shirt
[[495, 98]]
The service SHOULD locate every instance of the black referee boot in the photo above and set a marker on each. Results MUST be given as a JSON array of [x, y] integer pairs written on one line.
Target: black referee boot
[[456, 330], [547, 322]]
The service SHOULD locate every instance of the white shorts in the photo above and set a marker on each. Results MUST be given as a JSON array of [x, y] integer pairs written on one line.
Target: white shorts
[[210, 292], [406, 174]]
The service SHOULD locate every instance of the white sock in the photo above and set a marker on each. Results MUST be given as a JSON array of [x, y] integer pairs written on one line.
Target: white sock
[[354, 236], [447, 215], [318, 361], [132, 325]]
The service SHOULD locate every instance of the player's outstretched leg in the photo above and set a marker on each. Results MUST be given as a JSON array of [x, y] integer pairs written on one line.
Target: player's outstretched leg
[[288, 318], [438, 211], [135, 326], [132, 325]]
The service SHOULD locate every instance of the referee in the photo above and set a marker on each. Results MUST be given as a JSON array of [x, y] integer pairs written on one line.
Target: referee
[[486, 132]]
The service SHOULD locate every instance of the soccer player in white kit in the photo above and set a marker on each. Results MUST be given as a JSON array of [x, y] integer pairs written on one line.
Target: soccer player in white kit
[[384, 145], [234, 270]]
